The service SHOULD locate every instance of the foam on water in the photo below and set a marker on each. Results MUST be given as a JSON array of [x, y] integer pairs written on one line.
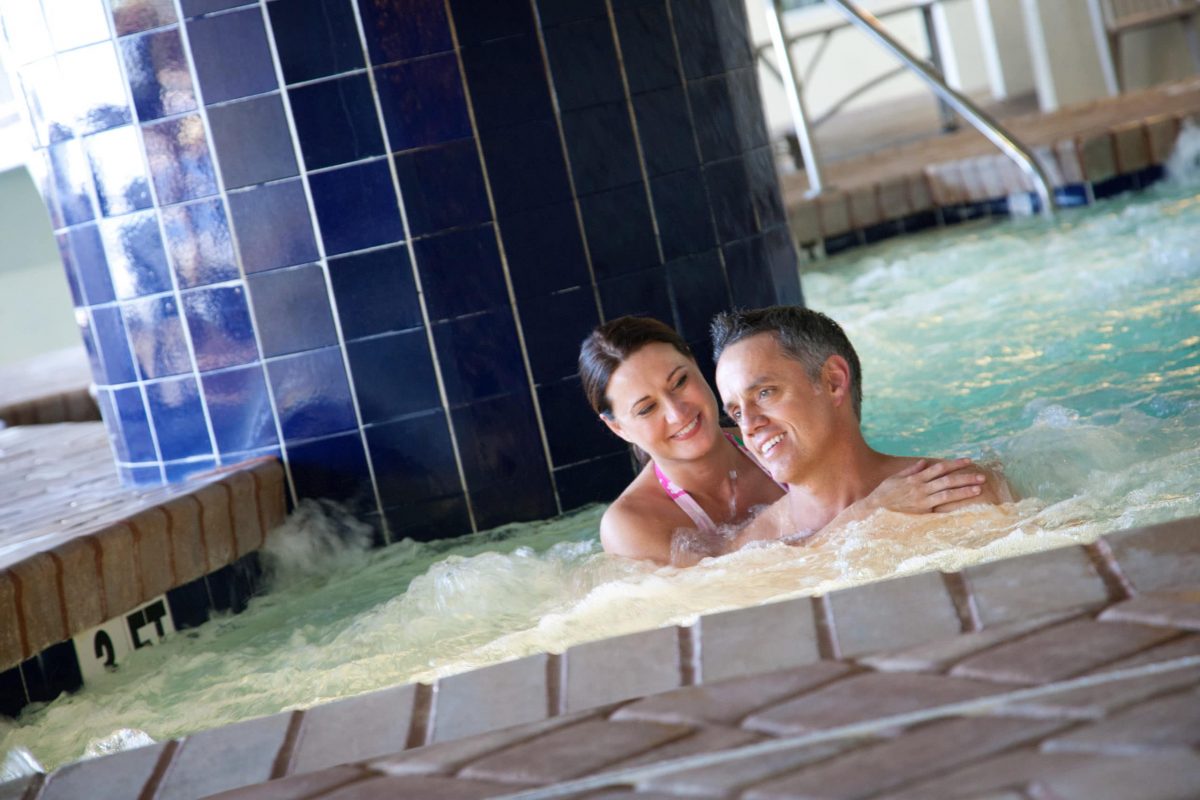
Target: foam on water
[[1070, 352]]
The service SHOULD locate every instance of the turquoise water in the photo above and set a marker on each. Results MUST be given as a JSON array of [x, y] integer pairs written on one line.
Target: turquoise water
[[1070, 352]]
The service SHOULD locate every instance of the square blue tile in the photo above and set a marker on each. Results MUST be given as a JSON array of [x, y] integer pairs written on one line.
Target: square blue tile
[[554, 326], [640, 294], [26, 32], [713, 36], [681, 208], [137, 262], [525, 167], [312, 395], [87, 259], [699, 290], [118, 171], [508, 82], [393, 375], [442, 187], [558, 12], [178, 419], [291, 309], [108, 330], [50, 121], [71, 175], [421, 30], [414, 460], [199, 243], [596, 481], [219, 322], [573, 430], [158, 74], [157, 338], [375, 292], [583, 61], [483, 20], [356, 207], [273, 226], [336, 121], [422, 102], [744, 264], [194, 8], [479, 356], [544, 250], [764, 189], [334, 468], [93, 88], [74, 284], [716, 103], [179, 471], [620, 234], [665, 130], [648, 47], [460, 272], [600, 147], [136, 439], [214, 38], [132, 16], [315, 38], [729, 195], [240, 408], [429, 520], [180, 164], [73, 24], [252, 141]]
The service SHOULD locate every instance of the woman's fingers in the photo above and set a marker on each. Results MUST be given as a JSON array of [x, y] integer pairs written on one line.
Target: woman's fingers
[[956, 480], [940, 468], [953, 495], [912, 469]]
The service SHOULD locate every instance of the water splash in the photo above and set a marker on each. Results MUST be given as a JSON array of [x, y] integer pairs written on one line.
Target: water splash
[[1183, 167]]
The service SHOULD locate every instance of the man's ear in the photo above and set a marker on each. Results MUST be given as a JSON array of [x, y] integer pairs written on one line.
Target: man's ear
[[835, 377], [614, 426]]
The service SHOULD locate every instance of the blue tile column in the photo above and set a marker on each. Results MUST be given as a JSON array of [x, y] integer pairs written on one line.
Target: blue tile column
[[368, 237]]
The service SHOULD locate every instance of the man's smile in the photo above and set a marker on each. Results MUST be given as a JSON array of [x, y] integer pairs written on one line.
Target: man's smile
[[766, 447]]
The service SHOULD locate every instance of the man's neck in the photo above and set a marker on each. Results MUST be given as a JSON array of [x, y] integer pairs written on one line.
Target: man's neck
[[846, 474]]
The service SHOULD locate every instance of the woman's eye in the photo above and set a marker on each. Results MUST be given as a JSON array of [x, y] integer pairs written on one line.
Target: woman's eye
[[644, 410], [682, 380]]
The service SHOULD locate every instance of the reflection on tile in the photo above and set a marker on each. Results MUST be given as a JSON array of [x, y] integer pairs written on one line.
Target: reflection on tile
[[84, 255], [135, 427], [312, 395], [75, 23], [177, 150], [252, 140], [108, 330], [118, 171], [220, 326], [647, 47], [26, 32], [479, 356], [136, 261], [240, 408], [315, 38], [199, 243], [554, 326], [156, 335], [273, 226], [620, 234], [177, 471], [71, 175], [525, 167], [213, 38], [442, 187], [356, 207], [422, 29], [508, 83], [422, 102], [131, 16], [38, 165], [545, 250], [495, 19], [193, 8], [334, 467], [336, 121], [92, 79], [375, 292], [158, 74], [460, 272], [291, 309], [393, 376], [413, 459], [178, 419], [583, 61], [46, 97], [71, 270]]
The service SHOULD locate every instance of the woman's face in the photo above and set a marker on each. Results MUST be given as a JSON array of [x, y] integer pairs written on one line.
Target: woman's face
[[662, 404]]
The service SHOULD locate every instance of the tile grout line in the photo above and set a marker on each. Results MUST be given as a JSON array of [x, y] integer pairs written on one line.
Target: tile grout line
[[1102, 558], [424, 715], [556, 684], [827, 639], [689, 653], [282, 763], [965, 606], [161, 768]]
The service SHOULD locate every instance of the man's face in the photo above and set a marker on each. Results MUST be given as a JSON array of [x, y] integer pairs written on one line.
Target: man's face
[[786, 419]]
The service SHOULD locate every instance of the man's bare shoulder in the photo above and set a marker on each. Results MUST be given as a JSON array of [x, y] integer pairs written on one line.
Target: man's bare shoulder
[[995, 490]]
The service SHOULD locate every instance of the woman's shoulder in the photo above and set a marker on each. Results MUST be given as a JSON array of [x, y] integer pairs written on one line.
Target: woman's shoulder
[[639, 523]]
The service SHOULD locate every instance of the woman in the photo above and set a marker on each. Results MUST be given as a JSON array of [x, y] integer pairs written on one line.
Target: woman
[[698, 483]]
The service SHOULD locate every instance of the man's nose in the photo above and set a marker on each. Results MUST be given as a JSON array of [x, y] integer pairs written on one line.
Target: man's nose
[[751, 419]]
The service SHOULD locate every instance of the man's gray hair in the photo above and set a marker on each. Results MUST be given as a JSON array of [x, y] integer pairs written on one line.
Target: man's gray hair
[[808, 336]]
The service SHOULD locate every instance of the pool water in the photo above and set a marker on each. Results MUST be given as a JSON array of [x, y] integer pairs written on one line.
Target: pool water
[[1068, 351]]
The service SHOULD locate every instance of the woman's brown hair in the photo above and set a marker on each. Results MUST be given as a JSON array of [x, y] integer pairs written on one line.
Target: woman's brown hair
[[610, 344]]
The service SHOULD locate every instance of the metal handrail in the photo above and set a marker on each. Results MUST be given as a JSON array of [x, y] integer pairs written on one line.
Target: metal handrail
[[979, 118]]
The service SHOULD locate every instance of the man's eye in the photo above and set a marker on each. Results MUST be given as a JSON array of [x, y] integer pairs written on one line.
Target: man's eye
[[764, 394], [735, 415]]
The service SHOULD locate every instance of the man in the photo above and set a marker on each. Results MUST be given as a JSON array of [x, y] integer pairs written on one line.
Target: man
[[790, 379]]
